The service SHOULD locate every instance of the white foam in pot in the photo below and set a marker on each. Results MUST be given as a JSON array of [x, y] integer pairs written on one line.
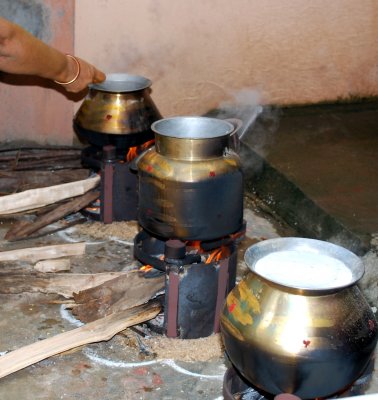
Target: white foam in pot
[[304, 270]]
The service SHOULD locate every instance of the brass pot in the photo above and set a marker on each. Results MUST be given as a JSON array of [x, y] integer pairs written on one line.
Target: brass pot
[[191, 183], [118, 111], [299, 333]]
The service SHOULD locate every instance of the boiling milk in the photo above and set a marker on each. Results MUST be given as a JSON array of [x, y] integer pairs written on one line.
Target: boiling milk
[[304, 270]]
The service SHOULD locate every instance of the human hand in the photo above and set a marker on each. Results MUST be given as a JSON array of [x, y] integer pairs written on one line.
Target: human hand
[[80, 74]]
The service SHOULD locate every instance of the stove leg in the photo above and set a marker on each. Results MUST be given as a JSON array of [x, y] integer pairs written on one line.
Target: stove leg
[[107, 179], [174, 282], [107, 195], [223, 278]]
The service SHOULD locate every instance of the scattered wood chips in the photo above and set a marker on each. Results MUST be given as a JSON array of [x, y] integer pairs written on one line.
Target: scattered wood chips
[[202, 349], [125, 230]]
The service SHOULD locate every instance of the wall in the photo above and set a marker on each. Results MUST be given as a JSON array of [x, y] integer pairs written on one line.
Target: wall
[[35, 109], [200, 54]]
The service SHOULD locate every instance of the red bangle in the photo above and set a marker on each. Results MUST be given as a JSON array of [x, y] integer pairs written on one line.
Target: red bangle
[[77, 72]]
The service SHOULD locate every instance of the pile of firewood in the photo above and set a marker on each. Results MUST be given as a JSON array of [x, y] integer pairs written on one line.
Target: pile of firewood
[[48, 185]]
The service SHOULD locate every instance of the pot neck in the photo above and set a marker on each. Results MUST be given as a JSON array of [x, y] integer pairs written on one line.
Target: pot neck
[[191, 149]]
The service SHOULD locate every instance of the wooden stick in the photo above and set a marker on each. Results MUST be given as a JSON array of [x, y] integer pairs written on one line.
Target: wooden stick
[[17, 181], [35, 198], [22, 230], [118, 294], [62, 284], [57, 265], [34, 254], [96, 331]]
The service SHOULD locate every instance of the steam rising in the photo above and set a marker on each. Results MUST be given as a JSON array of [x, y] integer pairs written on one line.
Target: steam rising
[[259, 122], [245, 106]]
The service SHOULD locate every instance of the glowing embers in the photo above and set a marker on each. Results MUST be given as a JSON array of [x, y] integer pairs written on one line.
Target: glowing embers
[[207, 257], [93, 210]]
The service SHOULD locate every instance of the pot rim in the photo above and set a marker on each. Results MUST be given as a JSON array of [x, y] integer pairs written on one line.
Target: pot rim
[[192, 127], [313, 247], [121, 83]]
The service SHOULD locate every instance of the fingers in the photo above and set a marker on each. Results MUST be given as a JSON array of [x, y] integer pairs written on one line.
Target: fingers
[[99, 76], [88, 74]]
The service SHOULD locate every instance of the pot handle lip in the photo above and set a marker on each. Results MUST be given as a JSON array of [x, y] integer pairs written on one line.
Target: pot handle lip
[[237, 123], [235, 135]]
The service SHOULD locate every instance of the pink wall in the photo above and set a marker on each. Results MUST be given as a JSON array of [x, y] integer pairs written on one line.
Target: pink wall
[[33, 109], [202, 53]]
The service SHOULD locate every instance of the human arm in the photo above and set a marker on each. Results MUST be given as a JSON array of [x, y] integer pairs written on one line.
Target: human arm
[[22, 53]]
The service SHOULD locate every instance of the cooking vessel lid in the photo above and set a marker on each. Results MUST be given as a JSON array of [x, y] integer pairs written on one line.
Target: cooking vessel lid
[[188, 127], [121, 83]]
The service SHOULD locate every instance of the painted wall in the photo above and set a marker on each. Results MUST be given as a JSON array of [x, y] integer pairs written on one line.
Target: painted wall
[[34, 109], [199, 54]]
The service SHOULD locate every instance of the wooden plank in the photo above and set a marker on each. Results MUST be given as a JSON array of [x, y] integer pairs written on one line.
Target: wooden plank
[[35, 198], [99, 330], [16, 181], [22, 229], [62, 284], [34, 254], [115, 295], [27, 159], [57, 265]]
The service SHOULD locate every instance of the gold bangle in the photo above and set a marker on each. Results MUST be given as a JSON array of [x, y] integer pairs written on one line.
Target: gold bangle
[[77, 72]]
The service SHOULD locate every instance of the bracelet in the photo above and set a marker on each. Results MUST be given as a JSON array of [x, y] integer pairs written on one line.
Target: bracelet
[[77, 73]]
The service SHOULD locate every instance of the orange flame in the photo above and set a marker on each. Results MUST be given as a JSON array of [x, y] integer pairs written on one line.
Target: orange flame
[[194, 244], [218, 254], [145, 145], [135, 150], [132, 153], [146, 268]]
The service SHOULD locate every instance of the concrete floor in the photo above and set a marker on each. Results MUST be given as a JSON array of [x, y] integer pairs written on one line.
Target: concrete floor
[[108, 370], [312, 170], [318, 167]]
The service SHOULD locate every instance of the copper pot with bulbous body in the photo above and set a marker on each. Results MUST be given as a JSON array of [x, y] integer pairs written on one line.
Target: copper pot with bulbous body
[[191, 182], [304, 335], [118, 111]]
